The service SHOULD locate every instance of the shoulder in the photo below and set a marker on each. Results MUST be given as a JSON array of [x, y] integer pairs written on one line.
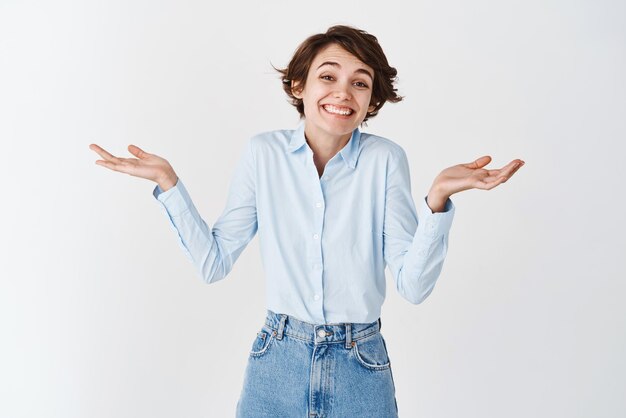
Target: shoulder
[[379, 146], [270, 141], [264, 144], [270, 144]]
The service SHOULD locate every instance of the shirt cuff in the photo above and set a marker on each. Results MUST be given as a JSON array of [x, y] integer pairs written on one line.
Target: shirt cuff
[[438, 223], [175, 200]]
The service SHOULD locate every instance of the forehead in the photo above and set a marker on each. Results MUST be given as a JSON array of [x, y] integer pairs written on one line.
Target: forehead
[[335, 53]]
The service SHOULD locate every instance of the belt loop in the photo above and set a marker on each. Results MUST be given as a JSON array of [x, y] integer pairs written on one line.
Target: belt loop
[[348, 335], [380, 324], [281, 326]]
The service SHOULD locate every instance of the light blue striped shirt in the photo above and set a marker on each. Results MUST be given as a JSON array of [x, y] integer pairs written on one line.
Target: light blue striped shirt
[[325, 241]]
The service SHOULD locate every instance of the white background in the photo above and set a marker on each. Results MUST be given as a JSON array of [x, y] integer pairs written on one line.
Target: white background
[[101, 314]]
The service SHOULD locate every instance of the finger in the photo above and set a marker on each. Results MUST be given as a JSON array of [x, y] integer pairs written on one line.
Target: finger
[[512, 167], [102, 153], [503, 177], [490, 184], [507, 170], [137, 152], [479, 162], [495, 183], [515, 168], [122, 165], [108, 164]]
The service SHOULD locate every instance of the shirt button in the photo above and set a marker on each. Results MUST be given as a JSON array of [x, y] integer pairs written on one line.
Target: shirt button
[[318, 205], [317, 266], [315, 236], [321, 333], [316, 297]]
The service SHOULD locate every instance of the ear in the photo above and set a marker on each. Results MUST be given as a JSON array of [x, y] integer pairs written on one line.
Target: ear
[[295, 90], [371, 108]]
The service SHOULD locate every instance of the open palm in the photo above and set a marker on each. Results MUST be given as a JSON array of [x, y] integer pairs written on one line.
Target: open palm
[[473, 176], [146, 165]]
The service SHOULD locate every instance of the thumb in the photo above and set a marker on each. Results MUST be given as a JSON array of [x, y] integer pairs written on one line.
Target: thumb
[[137, 152], [479, 162]]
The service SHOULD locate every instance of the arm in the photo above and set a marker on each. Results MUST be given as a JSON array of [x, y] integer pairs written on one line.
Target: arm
[[213, 251], [415, 251], [414, 247]]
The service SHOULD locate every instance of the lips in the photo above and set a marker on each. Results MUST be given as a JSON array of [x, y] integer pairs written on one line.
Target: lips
[[341, 111]]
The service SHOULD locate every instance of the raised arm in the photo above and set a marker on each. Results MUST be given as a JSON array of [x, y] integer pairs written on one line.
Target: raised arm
[[213, 251], [415, 247]]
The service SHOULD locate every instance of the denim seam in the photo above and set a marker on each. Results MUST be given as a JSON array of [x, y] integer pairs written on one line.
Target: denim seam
[[297, 336], [370, 366], [264, 349]]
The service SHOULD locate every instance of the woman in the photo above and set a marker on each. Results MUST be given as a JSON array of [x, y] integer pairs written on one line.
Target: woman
[[333, 208]]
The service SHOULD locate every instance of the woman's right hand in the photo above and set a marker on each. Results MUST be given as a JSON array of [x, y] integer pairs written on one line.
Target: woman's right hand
[[147, 166]]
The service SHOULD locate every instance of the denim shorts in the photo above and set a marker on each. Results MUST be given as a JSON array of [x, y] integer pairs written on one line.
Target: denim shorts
[[300, 370]]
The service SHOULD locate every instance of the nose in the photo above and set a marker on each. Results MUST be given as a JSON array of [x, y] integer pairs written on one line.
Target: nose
[[342, 92]]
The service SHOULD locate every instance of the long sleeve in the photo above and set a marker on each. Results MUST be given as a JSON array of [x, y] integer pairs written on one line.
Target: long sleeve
[[414, 247], [214, 251]]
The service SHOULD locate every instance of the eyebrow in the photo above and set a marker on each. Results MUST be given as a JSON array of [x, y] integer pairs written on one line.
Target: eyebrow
[[336, 64]]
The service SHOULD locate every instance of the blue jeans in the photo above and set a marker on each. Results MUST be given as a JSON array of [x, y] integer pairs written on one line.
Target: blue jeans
[[300, 370]]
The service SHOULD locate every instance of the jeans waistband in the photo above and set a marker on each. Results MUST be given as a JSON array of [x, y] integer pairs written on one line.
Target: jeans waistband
[[319, 333]]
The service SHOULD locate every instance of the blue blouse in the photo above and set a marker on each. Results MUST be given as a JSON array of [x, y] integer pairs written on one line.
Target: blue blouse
[[325, 241]]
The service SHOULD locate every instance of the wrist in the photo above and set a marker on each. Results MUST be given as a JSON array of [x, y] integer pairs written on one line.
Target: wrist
[[168, 181], [436, 199]]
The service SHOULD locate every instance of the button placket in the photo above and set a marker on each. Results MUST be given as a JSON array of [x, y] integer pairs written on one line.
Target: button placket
[[317, 210]]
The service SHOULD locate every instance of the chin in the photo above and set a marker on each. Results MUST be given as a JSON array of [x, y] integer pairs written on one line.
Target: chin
[[340, 129]]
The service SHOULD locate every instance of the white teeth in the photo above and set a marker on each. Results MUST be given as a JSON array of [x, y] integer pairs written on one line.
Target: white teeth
[[336, 110]]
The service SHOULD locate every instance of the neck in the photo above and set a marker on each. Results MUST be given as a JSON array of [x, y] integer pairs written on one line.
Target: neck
[[326, 146]]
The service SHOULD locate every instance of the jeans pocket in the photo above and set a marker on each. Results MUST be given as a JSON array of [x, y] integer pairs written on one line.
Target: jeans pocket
[[371, 352], [262, 342]]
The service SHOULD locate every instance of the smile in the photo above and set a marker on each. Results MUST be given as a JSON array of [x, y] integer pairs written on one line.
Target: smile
[[336, 110]]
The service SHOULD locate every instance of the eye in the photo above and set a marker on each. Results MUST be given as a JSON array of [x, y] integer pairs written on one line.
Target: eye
[[361, 84], [326, 77]]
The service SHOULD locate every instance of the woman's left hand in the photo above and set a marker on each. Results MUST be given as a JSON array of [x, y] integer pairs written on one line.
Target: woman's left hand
[[469, 176]]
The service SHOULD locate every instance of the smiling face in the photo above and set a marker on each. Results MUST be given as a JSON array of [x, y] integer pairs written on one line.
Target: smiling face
[[336, 95]]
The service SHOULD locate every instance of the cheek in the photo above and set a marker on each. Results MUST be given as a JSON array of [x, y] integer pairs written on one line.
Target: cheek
[[314, 98], [365, 101]]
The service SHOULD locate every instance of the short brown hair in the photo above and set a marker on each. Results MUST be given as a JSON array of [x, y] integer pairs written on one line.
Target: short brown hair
[[359, 43]]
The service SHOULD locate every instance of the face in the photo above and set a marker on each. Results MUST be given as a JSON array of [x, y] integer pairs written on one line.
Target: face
[[337, 93]]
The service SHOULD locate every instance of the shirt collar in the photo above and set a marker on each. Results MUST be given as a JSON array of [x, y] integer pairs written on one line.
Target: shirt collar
[[349, 153]]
